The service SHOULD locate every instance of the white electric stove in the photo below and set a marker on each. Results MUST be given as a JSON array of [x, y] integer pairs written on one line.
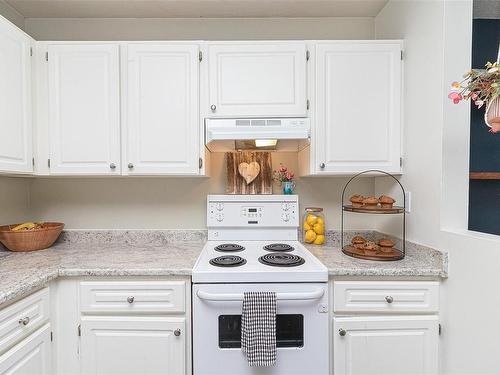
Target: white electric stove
[[253, 246]]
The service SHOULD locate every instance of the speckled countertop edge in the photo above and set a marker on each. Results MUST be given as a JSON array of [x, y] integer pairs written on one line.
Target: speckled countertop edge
[[59, 261]]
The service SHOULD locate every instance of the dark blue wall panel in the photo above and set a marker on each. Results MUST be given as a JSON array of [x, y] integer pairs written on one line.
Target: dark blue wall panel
[[484, 195]]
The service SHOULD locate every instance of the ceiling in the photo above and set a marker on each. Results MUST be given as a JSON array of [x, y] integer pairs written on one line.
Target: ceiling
[[195, 8]]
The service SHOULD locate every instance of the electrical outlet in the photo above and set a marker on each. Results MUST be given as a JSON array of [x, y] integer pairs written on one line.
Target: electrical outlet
[[408, 201]]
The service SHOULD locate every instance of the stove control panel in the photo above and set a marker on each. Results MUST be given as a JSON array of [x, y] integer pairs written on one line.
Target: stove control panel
[[250, 211]]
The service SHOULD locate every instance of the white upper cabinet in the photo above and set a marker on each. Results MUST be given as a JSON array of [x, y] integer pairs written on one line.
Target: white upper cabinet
[[357, 107], [84, 109], [257, 79], [15, 100], [162, 105]]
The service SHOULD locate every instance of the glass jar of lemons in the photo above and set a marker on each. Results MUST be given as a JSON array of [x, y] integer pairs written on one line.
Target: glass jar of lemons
[[313, 226]]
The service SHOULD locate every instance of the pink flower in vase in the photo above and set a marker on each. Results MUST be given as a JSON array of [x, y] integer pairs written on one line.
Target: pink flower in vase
[[455, 96], [282, 168], [289, 176]]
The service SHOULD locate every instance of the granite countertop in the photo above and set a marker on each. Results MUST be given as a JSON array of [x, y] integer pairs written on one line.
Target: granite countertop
[[169, 253]]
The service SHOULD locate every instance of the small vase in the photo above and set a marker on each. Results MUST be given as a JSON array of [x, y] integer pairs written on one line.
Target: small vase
[[288, 187], [492, 115]]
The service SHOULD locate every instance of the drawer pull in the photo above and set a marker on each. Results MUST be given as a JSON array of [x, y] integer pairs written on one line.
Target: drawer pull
[[24, 321], [342, 332], [130, 299], [389, 299], [177, 332]]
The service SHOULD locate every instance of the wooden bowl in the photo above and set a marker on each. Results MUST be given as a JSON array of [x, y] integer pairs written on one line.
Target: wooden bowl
[[30, 240]]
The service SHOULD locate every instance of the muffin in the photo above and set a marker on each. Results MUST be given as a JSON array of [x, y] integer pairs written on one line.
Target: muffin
[[370, 248], [358, 242], [370, 202], [386, 245], [386, 201], [357, 200]]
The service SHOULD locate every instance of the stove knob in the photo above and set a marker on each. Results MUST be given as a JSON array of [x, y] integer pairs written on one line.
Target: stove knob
[[285, 206], [285, 217], [219, 206], [220, 217]]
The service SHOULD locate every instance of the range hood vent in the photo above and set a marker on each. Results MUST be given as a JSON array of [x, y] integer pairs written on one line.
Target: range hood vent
[[276, 134]]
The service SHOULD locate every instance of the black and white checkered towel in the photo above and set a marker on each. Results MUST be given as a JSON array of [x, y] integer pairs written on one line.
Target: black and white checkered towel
[[258, 328]]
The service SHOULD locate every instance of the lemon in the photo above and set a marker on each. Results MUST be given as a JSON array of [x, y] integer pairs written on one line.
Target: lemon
[[307, 226], [319, 228], [311, 219], [320, 221], [320, 239], [310, 236]]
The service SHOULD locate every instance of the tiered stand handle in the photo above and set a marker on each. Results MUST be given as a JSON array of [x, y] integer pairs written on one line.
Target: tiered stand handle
[[396, 211]]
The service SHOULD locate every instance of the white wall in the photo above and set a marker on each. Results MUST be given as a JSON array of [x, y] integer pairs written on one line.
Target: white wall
[[165, 203], [419, 23], [438, 50], [14, 200], [200, 28]]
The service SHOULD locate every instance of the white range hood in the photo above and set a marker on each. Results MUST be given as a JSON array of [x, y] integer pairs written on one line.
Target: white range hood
[[277, 134]]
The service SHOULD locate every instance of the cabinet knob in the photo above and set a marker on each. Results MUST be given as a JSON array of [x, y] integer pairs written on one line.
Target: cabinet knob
[[342, 332], [112, 166], [177, 332], [130, 299], [130, 166], [213, 107], [389, 299], [322, 165], [24, 321]]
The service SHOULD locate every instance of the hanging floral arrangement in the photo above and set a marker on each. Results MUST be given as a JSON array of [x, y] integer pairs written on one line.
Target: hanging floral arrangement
[[483, 88]]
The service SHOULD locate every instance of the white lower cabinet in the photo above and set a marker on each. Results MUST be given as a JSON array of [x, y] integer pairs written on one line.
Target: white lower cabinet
[[133, 345], [31, 356], [385, 345]]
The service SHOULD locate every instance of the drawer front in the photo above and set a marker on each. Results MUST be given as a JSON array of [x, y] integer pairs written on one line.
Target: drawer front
[[386, 296], [132, 296], [23, 317]]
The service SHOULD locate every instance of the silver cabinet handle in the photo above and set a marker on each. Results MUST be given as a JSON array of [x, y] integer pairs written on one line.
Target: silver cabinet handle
[[112, 166], [389, 299], [342, 332], [177, 332], [322, 165], [130, 299], [130, 166], [213, 107], [24, 321]]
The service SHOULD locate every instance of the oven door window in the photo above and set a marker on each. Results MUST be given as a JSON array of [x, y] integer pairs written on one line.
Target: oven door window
[[289, 331]]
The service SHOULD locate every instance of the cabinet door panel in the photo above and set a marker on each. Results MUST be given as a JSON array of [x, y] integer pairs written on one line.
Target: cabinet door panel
[[163, 109], [84, 110], [358, 93], [132, 345], [15, 100], [392, 345], [31, 356], [257, 79]]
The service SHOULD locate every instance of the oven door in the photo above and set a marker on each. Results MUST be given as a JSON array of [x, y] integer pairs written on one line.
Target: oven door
[[301, 329]]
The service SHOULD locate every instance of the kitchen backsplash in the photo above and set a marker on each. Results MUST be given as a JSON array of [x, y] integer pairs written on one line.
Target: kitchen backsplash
[[168, 203]]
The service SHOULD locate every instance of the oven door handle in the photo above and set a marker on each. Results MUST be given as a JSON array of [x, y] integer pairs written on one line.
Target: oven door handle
[[315, 294]]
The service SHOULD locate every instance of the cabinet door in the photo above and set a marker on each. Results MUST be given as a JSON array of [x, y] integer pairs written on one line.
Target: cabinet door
[[84, 109], [163, 109], [15, 100], [358, 107], [133, 345], [392, 345], [265, 79], [31, 356]]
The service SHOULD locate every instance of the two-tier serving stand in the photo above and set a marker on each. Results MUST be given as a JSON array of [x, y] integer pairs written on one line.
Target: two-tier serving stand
[[349, 249]]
